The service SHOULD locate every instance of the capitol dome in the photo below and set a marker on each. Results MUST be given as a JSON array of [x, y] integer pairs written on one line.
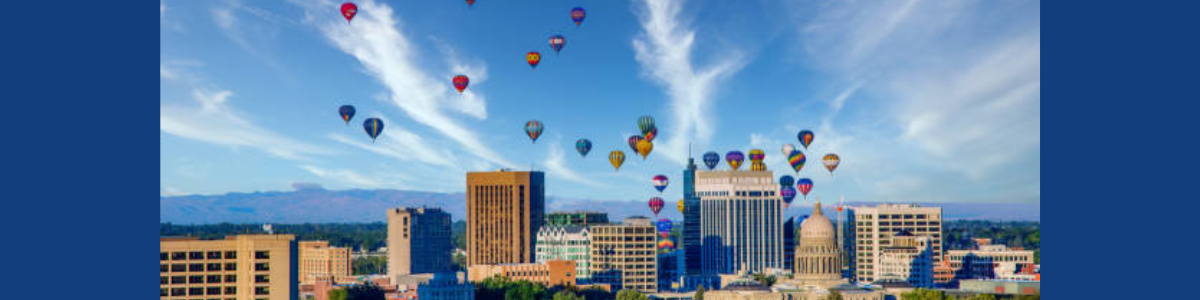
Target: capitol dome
[[818, 259], [816, 225]]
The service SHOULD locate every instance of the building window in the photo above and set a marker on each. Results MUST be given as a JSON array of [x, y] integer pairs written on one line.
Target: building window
[[178, 255], [196, 279], [196, 255], [214, 267], [261, 255], [213, 279], [230, 254], [178, 279], [230, 278], [178, 292], [213, 290], [195, 291], [196, 267], [231, 267], [262, 290], [262, 279], [163, 256], [163, 280], [164, 268], [231, 290], [214, 255], [262, 267], [178, 268], [162, 292]]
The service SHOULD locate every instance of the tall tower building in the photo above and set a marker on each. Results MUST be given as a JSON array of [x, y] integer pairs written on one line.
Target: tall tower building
[[741, 221], [691, 223], [505, 210], [623, 255], [870, 229], [419, 241]]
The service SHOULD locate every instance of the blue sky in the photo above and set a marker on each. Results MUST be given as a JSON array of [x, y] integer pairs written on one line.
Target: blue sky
[[925, 101]]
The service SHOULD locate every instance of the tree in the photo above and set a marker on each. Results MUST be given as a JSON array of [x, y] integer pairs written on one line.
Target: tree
[[566, 295], [764, 279], [924, 294], [834, 295], [366, 291], [631, 295], [699, 294], [338, 294]]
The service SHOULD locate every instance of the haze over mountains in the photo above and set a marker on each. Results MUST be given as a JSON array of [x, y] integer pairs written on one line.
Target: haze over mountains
[[313, 204]]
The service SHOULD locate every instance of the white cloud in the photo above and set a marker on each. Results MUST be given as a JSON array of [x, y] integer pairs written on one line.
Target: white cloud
[[216, 123], [387, 54], [557, 168], [353, 178], [250, 35], [400, 144], [664, 49]]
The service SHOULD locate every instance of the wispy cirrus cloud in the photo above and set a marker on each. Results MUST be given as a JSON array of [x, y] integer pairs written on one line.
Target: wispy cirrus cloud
[[354, 178], [664, 49], [556, 167], [386, 53], [213, 121]]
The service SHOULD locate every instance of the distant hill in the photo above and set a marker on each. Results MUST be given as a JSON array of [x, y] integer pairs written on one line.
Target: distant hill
[[309, 204]]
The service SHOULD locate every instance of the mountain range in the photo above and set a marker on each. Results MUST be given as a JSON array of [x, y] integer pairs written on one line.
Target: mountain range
[[313, 204]]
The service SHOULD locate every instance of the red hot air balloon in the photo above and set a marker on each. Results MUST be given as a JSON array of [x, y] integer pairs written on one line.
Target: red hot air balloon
[[804, 185], [660, 182], [461, 82], [470, 3], [349, 10], [533, 58], [557, 42], [656, 205], [633, 140]]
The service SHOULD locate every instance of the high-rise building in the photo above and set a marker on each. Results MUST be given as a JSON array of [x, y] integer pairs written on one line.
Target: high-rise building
[[569, 242], [871, 228], [906, 259], [670, 269], [789, 243], [623, 255], [317, 258], [242, 267], [741, 222], [550, 273], [504, 212], [691, 244], [582, 218], [419, 241]]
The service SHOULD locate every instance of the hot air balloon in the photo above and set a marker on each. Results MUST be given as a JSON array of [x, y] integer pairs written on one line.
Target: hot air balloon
[[831, 162], [656, 205], [664, 226], [788, 194], [660, 182], [470, 3], [347, 112], [711, 159], [805, 137], [616, 158], [460, 83], [646, 124], [804, 185], [757, 155], [797, 159], [788, 148], [666, 244], [653, 133], [583, 146], [734, 159], [349, 10], [373, 126], [533, 129], [644, 147], [786, 180], [633, 141], [679, 205], [557, 42], [533, 58], [577, 15], [758, 166]]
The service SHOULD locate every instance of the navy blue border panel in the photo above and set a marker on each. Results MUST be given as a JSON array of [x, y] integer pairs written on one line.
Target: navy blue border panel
[[1119, 134], [79, 149]]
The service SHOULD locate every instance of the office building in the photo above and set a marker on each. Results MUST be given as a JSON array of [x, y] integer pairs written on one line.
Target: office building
[[906, 259], [990, 261], [241, 267], [569, 242], [419, 241], [317, 258], [550, 273], [694, 272], [741, 221], [505, 209], [789, 243], [670, 270], [580, 218], [623, 255], [446, 286], [871, 228]]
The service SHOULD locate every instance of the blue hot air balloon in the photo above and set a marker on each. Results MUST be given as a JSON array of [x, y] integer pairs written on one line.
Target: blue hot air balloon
[[788, 192], [711, 159], [373, 126], [583, 146], [347, 113], [787, 180]]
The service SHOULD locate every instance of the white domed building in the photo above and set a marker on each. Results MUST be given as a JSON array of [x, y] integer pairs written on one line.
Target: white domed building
[[818, 259]]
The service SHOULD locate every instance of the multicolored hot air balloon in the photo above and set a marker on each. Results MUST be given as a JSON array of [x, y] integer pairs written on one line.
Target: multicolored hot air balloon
[[804, 185], [347, 113], [349, 9], [533, 57], [633, 141], [660, 182], [757, 155], [653, 133], [831, 162], [786, 180], [583, 146], [646, 124], [664, 227], [788, 148], [788, 193], [557, 42], [533, 129], [656, 205], [577, 15], [460, 83], [666, 244], [734, 159], [644, 147], [797, 159], [758, 166], [373, 126], [616, 158], [679, 205], [805, 137], [711, 159]]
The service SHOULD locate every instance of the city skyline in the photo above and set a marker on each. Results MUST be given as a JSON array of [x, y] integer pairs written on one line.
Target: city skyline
[[911, 112]]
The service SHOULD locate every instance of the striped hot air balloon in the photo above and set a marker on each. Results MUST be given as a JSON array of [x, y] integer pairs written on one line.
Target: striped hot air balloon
[[533, 129], [660, 182], [734, 159]]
